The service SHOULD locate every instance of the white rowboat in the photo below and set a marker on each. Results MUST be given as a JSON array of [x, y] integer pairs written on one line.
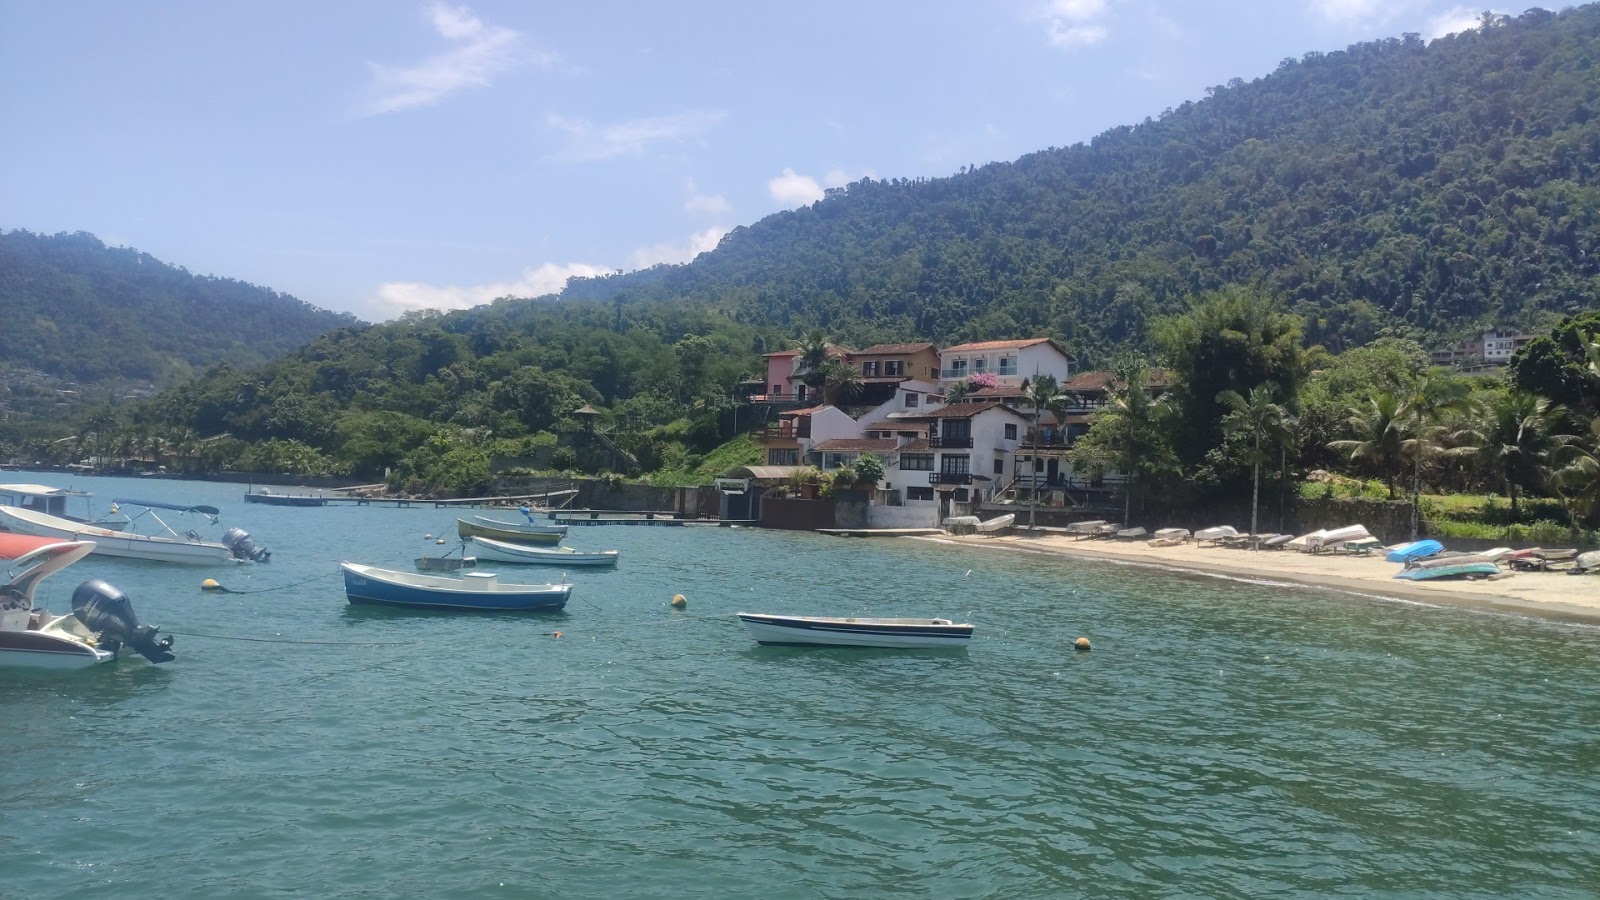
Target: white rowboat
[[502, 551], [826, 631]]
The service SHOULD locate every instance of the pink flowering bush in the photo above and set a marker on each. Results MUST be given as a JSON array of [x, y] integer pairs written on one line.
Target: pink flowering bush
[[984, 380]]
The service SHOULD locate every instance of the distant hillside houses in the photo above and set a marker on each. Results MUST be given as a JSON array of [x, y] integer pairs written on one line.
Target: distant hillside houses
[[943, 454], [1494, 347]]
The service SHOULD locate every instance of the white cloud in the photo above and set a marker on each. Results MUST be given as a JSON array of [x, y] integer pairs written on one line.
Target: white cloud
[[1075, 23], [480, 53], [1453, 21], [674, 254], [592, 143], [1351, 12], [397, 297], [794, 189], [711, 204]]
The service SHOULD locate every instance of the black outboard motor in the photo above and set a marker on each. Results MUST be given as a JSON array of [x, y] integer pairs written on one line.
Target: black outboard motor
[[104, 609], [238, 541]]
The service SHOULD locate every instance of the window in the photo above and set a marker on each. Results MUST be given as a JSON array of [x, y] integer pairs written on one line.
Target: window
[[911, 400], [892, 367], [837, 460], [960, 495], [999, 467], [981, 364], [777, 389], [917, 462], [869, 369], [954, 464], [1008, 365], [1011, 431], [919, 493], [783, 456], [958, 368]]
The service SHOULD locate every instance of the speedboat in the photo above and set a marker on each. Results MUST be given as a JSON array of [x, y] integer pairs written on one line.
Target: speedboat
[[170, 546], [826, 631], [482, 591], [102, 620], [506, 552]]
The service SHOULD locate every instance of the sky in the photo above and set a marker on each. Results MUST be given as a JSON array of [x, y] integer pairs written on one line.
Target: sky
[[379, 157]]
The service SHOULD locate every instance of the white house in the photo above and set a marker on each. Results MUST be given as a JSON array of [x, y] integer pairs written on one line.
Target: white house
[[1011, 362]]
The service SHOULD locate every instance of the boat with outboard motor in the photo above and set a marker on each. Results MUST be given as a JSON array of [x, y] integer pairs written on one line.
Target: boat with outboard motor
[[102, 620], [172, 546]]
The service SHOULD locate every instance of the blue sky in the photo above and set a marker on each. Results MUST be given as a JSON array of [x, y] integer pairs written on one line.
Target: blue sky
[[376, 157]]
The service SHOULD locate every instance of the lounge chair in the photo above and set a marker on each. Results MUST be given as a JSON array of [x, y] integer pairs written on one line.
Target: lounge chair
[[1358, 547]]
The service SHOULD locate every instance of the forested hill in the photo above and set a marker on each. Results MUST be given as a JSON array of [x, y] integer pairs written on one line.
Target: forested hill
[[1426, 188], [79, 310]]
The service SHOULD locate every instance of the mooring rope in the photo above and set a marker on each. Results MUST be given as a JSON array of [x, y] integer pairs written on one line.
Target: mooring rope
[[228, 637]]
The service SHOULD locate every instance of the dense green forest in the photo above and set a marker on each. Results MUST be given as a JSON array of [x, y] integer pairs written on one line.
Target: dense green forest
[[80, 311], [1295, 241]]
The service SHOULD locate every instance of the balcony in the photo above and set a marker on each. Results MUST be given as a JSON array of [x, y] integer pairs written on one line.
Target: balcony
[[949, 477], [1047, 438], [780, 433], [951, 442], [780, 397]]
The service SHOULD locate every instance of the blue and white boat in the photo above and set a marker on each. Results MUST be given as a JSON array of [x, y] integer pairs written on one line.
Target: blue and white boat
[[1478, 569], [482, 591], [1404, 553], [824, 631]]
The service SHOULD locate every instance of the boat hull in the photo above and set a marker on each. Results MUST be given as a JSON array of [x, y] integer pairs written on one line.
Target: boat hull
[[39, 650], [467, 529], [366, 585], [817, 631], [115, 543], [1461, 570], [506, 552]]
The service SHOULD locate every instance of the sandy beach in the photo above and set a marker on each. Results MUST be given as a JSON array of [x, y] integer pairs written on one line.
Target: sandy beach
[[1553, 595]]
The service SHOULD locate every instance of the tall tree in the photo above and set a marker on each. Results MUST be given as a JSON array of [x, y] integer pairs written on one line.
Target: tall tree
[[1261, 420], [1423, 410], [1379, 437], [1512, 439]]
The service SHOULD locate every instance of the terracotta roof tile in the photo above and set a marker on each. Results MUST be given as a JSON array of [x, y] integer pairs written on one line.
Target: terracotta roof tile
[[999, 345], [880, 445], [880, 349]]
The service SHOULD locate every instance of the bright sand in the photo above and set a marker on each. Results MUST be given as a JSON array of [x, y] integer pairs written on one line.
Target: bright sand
[[1555, 595]]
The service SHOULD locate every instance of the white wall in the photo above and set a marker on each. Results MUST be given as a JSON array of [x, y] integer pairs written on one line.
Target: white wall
[[923, 515]]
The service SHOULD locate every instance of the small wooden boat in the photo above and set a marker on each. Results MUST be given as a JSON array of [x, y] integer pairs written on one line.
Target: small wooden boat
[[506, 552], [474, 591], [1128, 534], [1455, 570], [511, 532], [826, 631], [1215, 534]]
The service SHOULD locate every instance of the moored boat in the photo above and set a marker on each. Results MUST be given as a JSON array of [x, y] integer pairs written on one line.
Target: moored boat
[[511, 532], [59, 502], [827, 631], [481, 591], [102, 619], [108, 542], [506, 552]]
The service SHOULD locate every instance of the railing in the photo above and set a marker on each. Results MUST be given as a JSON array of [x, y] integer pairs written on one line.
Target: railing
[[779, 397], [1049, 437], [779, 433], [949, 477], [950, 441]]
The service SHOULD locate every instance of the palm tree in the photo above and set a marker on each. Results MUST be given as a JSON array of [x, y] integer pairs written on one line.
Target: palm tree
[[1427, 403], [1513, 441], [1578, 479], [813, 356], [957, 393], [1259, 418], [840, 382], [1041, 392], [1379, 436]]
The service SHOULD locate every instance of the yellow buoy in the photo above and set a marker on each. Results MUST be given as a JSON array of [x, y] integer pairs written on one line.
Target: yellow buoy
[[1081, 644], [210, 584], [679, 601]]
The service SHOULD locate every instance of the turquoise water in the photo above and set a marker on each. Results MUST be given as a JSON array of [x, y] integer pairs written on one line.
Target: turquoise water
[[1223, 739]]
